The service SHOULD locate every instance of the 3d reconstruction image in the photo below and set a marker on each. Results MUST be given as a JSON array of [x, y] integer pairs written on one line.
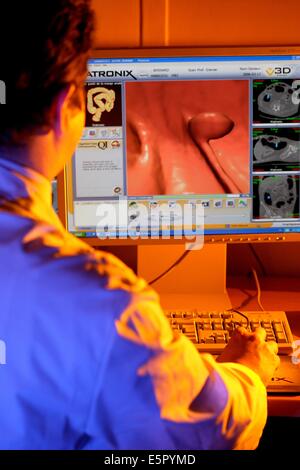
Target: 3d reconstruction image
[[276, 196], [276, 101], [276, 149], [188, 137], [103, 104]]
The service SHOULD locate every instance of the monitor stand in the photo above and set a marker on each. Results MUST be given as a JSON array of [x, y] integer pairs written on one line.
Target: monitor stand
[[199, 281]]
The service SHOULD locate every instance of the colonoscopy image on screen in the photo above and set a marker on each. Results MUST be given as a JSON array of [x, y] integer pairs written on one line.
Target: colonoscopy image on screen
[[276, 149], [188, 137], [276, 196], [276, 100]]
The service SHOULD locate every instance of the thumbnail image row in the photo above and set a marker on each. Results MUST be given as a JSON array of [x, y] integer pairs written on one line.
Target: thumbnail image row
[[276, 149], [276, 196]]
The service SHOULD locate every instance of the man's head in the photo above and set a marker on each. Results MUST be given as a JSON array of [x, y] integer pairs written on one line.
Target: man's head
[[44, 49]]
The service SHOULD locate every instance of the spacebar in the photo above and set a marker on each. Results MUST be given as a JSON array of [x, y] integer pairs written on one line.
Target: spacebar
[[215, 348]]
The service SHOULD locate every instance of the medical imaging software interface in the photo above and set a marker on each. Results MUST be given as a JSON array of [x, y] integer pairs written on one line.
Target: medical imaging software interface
[[163, 134]]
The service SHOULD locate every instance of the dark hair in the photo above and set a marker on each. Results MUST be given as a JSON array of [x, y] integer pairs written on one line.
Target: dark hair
[[44, 47]]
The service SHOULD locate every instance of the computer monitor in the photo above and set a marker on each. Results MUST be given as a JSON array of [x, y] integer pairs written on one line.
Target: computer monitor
[[213, 131]]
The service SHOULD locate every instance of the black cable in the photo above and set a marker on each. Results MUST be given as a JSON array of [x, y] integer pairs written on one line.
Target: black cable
[[258, 260], [240, 313], [178, 261]]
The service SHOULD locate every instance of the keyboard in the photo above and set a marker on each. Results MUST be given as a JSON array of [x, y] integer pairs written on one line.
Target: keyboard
[[210, 331]]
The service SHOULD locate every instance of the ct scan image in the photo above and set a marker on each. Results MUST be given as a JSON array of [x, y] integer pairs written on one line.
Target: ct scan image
[[276, 149], [276, 196], [276, 100]]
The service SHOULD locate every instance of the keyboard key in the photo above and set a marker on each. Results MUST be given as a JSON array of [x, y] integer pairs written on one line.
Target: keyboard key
[[191, 337], [242, 323], [176, 315], [188, 329], [228, 324], [203, 315], [220, 338], [254, 325], [280, 337], [267, 328], [217, 325], [209, 340], [227, 315], [270, 337], [226, 336], [206, 325], [278, 327], [215, 315], [176, 327]]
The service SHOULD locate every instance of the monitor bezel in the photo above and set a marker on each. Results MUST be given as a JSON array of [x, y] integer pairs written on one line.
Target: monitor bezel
[[183, 52]]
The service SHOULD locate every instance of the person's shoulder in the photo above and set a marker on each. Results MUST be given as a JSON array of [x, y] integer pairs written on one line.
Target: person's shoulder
[[68, 271], [67, 262]]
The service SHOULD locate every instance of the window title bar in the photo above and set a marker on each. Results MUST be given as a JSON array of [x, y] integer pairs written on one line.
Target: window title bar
[[140, 60]]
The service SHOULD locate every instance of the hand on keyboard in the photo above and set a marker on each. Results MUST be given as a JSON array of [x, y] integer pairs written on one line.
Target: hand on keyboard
[[252, 350]]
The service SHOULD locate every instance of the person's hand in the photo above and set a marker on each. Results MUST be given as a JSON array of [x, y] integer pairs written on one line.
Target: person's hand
[[251, 350]]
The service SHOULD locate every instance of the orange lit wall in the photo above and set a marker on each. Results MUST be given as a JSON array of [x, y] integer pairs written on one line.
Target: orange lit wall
[[175, 23], [148, 23]]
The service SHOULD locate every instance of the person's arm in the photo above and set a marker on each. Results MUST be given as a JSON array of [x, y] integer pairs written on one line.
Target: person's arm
[[245, 412], [155, 391], [170, 396]]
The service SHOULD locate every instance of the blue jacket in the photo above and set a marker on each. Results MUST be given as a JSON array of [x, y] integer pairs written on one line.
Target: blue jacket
[[88, 360]]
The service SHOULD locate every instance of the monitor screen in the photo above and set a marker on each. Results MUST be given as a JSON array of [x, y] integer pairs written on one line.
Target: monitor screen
[[170, 142]]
